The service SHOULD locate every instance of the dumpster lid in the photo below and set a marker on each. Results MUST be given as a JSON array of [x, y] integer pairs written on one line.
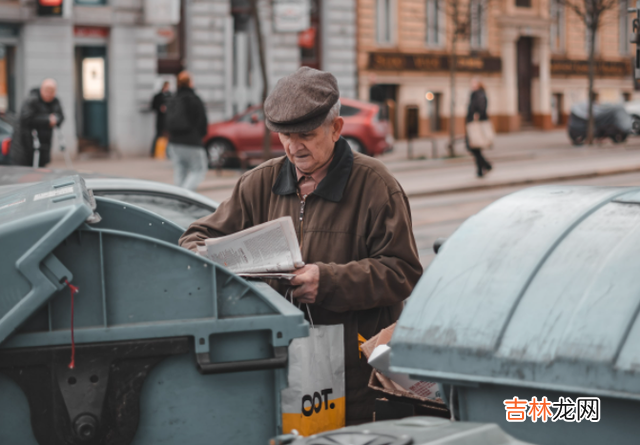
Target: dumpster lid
[[33, 221], [540, 290]]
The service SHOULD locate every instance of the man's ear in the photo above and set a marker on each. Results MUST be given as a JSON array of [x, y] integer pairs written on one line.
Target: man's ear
[[338, 124]]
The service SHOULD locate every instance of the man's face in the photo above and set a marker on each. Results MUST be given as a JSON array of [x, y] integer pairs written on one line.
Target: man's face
[[48, 91], [310, 151]]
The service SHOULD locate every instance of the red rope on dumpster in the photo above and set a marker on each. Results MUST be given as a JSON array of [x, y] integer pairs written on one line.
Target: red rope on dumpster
[[73, 289]]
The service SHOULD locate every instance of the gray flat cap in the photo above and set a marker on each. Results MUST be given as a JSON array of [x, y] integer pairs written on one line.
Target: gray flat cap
[[301, 101]]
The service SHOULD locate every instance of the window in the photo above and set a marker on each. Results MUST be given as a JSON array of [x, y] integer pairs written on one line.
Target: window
[[7, 78], [91, 2], [255, 115], [624, 28], [171, 46], [346, 111], [385, 15], [478, 24], [557, 32], [310, 53], [587, 42], [523, 3], [435, 20]]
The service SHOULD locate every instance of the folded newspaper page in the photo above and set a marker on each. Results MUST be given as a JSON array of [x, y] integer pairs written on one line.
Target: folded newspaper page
[[267, 250]]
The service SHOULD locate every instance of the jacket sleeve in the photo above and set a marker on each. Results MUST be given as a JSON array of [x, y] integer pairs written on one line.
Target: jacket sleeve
[[387, 276], [202, 122], [231, 216]]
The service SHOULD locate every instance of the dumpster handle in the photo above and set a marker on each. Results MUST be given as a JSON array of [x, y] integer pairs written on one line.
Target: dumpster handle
[[279, 361]]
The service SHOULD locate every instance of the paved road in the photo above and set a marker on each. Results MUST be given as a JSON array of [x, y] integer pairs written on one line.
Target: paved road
[[440, 216]]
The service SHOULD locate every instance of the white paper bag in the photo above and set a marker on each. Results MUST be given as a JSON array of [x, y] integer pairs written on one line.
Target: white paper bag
[[315, 399], [480, 134]]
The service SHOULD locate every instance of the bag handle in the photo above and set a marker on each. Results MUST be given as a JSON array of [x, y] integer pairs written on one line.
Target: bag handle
[[281, 356], [288, 295]]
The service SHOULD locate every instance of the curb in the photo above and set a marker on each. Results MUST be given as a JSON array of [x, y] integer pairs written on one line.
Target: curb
[[529, 181]]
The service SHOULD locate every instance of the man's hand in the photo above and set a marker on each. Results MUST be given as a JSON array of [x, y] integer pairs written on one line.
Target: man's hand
[[306, 283], [53, 120], [163, 108]]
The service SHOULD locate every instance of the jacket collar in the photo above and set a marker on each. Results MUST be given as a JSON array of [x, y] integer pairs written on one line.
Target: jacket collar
[[331, 187]]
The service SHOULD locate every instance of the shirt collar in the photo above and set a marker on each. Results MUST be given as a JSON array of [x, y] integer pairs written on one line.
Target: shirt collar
[[334, 183]]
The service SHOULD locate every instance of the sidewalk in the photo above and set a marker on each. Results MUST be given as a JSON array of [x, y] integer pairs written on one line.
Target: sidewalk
[[518, 158]]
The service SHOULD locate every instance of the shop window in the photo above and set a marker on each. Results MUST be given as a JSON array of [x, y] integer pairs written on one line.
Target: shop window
[[435, 21], [385, 21], [523, 3], [478, 19], [7, 79], [624, 22], [309, 40], [557, 31], [91, 2], [171, 50]]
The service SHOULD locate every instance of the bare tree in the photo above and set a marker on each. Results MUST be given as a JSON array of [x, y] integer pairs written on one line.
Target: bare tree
[[266, 141], [591, 13], [459, 15]]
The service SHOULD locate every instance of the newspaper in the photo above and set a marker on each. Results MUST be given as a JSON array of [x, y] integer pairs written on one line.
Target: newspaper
[[267, 250]]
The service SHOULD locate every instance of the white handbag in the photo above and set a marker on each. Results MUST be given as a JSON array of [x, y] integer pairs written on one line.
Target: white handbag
[[480, 134]]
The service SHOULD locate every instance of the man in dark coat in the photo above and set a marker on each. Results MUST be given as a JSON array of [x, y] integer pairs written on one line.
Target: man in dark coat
[[186, 123], [42, 112], [159, 106]]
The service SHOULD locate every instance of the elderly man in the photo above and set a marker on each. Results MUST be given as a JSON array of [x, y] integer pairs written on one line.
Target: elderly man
[[351, 216], [41, 111]]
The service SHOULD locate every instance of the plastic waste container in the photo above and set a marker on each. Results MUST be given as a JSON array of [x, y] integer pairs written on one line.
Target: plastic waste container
[[410, 431], [536, 296], [169, 347]]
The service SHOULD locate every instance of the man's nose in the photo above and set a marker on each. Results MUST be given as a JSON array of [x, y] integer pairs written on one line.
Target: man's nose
[[295, 145]]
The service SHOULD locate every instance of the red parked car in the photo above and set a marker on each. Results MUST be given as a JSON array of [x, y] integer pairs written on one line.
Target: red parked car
[[366, 129]]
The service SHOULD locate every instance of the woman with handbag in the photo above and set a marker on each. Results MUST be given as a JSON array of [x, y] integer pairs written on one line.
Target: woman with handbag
[[479, 128]]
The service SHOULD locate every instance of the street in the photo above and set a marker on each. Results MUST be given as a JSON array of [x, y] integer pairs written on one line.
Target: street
[[443, 193]]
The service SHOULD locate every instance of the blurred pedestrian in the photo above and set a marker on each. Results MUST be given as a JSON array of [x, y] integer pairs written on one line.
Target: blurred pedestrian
[[159, 106], [186, 123], [478, 135], [41, 112]]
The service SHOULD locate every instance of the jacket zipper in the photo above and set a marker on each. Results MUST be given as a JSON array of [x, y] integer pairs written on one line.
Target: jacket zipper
[[303, 201]]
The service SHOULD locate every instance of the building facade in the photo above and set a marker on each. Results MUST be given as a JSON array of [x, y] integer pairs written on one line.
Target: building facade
[[109, 57], [530, 54]]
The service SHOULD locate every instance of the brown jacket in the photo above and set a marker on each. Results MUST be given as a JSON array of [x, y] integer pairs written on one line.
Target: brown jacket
[[356, 228]]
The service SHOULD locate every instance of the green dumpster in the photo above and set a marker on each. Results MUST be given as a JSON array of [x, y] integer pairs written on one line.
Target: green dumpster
[[535, 300], [169, 347]]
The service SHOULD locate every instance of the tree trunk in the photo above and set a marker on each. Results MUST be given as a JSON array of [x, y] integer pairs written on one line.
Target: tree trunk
[[592, 50], [266, 140], [452, 111]]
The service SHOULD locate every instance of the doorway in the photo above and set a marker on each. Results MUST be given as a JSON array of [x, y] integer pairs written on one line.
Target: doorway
[[91, 98], [525, 68], [387, 94], [7, 79]]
